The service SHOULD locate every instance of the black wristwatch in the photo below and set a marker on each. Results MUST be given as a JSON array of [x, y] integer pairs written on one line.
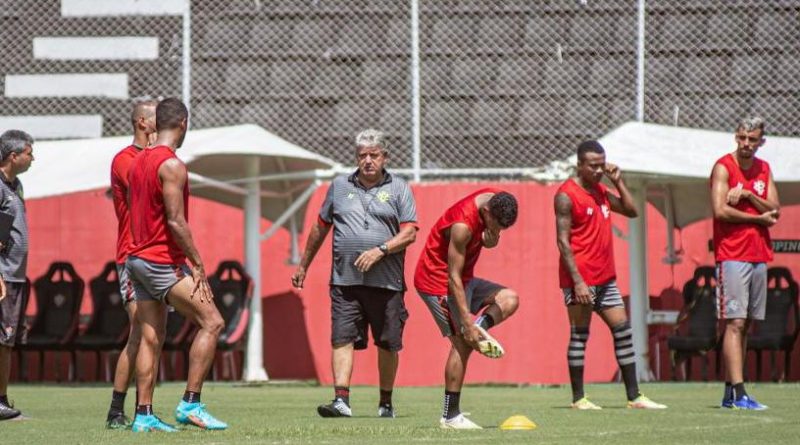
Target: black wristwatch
[[384, 248]]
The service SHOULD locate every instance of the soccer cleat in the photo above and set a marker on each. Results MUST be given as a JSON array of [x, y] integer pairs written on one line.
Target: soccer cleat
[[642, 402], [8, 412], [458, 422], [337, 408], [197, 415], [149, 423], [726, 403], [747, 402], [584, 404], [118, 421], [386, 411], [489, 346]]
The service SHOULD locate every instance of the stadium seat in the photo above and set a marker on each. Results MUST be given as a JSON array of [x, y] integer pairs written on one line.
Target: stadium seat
[[59, 293], [781, 325], [233, 290], [108, 325], [700, 314]]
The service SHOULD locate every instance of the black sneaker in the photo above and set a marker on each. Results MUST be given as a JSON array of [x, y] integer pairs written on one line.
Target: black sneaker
[[118, 421], [337, 408], [386, 410], [8, 412]]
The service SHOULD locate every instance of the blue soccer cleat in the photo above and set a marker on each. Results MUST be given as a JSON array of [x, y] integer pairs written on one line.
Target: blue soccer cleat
[[149, 423], [196, 414], [726, 403], [747, 402]]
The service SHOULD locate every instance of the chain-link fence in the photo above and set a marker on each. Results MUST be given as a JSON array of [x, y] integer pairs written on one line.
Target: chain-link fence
[[503, 83]]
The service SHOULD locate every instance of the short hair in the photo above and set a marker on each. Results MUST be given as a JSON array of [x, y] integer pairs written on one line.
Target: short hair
[[503, 207], [372, 138], [170, 112], [141, 108], [14, 141], [589, 147], [752, 123]]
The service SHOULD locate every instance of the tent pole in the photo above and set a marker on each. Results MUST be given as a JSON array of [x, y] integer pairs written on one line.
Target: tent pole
[[254, 362], [640, 297]]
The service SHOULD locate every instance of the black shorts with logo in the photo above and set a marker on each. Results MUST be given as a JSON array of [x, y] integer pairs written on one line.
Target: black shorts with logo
[[355, 307], [12, 313]]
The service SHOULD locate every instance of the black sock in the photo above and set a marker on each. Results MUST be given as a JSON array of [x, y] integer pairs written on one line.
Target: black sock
[[191, 397], [4, 400], [728, 395], [117, 403], [576, 351], [343, 393], [485, 321], [386, 398], [738, 391], [623, 349], [144, 410], [451, 402]]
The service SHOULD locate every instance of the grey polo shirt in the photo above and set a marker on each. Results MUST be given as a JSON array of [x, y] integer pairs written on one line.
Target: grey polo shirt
[[363, 219], [14, 256]]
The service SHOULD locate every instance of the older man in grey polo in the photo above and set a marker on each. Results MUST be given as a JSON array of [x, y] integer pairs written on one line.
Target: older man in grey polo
[[16, 155], [374, 219]]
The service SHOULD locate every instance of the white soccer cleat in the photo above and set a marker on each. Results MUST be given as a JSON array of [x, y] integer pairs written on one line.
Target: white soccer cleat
[[458, 422], [642, 402], [489, 346], [585, 404]]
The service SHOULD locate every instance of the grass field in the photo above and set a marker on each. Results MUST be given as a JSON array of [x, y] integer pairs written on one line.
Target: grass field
[[281, 413]]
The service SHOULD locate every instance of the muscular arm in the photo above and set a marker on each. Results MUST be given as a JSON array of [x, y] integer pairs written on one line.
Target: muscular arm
[[460, 236], [719, 200], [563, 209], [766, 205], [172, 174]]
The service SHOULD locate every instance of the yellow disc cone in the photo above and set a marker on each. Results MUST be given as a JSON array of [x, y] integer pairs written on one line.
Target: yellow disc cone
[[518, 422]]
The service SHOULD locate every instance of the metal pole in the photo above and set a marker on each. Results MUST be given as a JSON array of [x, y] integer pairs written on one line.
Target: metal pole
[[640, 64], [416, 139], [639, 300], [254, 362], [186, 63]]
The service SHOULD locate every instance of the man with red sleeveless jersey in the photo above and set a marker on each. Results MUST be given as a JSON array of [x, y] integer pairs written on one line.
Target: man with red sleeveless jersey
[[162, 241], [745, 204], [587, 274], [143, 119], [444, 279]]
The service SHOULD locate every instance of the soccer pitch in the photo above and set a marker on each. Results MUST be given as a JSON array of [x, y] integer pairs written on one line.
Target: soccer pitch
[[283, 413]]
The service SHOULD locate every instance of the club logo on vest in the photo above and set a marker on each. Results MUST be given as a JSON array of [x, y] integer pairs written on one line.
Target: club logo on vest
[[760, 187]]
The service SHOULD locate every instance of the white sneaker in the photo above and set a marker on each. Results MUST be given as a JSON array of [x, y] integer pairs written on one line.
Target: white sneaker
[[337, 408], [458, 422], [489, 346], [642, 402]]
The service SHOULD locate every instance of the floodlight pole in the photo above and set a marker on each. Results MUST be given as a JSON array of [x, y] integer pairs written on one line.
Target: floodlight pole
[[254, 362], [640, 61], [640, 295], [416, 123]]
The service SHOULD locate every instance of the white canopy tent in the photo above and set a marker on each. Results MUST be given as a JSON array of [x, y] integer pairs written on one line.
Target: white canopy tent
[[227, 165], [670, 168]]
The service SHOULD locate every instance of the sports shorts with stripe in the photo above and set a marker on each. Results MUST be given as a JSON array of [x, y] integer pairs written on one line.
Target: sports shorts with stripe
[[125, 284], [741, 290], [605, 296], [443, 308], [152, 281]]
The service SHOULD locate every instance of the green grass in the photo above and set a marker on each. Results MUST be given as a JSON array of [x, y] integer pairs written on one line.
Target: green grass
[[281, 414]]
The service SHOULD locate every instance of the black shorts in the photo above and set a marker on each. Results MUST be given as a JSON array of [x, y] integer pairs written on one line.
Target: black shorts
[[355, 307], [12, 313]]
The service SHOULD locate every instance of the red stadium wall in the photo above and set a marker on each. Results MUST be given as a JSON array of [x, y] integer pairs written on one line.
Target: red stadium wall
[[81, 228]]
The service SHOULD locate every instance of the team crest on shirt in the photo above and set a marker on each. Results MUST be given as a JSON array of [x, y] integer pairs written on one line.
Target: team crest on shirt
[[383, 196], [606, 211], [760, 187], [590, 211]]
